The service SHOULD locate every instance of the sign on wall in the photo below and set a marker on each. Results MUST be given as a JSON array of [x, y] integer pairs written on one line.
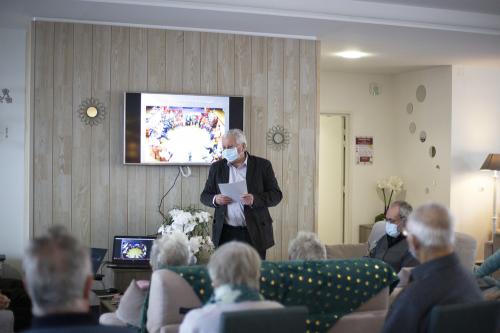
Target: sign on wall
[[364, 150]]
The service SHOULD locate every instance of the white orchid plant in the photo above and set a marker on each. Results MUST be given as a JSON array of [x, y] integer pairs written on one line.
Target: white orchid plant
[[389, 186], [192, 222]]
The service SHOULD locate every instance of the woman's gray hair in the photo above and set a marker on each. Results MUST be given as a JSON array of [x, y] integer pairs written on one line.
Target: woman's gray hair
[[170, 250], [56, 268], [306, 246], [235, 263], [238, 135], [433, 225]]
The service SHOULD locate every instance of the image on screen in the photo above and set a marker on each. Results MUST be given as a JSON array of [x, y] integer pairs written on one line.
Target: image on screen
[[133, 249], [179, 129]]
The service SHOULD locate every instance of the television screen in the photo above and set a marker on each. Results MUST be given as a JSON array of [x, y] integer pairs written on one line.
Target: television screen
[[178, 129]]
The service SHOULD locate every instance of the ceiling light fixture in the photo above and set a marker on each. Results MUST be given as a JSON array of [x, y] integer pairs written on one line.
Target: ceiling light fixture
[[352, 54]]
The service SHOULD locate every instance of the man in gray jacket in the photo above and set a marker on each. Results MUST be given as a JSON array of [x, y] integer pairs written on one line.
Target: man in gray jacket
[[393, 247]]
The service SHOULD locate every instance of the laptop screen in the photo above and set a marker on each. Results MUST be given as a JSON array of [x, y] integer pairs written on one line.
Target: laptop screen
[[132, 250]]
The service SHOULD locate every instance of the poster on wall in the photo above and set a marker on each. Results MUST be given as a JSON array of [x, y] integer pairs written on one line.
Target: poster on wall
[[364, 150]]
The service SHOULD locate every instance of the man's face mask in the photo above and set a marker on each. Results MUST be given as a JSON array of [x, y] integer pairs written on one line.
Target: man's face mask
[[391, 229], [230, 154]]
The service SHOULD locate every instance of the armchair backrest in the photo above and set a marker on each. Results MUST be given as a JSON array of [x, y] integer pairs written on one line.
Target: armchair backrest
[[284, 320], [465, 248], [168, 293], [378, 231], [479, 317]]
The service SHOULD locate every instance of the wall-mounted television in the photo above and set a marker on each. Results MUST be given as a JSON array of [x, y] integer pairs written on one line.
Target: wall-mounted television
[[177, 129]]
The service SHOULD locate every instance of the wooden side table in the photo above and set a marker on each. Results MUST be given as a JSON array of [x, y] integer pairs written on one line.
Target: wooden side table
[[364, 232], [123, 276]]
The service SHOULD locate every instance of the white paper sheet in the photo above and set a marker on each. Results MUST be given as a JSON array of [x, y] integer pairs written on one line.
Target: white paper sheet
[[234, 190]]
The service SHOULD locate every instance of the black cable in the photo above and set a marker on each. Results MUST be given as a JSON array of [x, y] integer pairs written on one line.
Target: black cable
[[166, 193]]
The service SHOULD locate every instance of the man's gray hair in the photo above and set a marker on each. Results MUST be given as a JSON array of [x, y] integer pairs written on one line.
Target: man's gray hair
[[170, 250], [56, 267], [306, 246], [235, 263], [405, 210], [433, 226], [238, 135]]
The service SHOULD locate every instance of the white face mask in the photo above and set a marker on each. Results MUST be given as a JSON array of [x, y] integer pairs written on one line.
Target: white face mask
[[230, 154], [391, 229]]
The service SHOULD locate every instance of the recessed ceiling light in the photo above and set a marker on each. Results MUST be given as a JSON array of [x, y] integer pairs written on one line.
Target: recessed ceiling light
[[352, 54]]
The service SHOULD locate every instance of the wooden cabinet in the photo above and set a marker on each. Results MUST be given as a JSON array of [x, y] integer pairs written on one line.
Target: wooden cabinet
[[364, 232]]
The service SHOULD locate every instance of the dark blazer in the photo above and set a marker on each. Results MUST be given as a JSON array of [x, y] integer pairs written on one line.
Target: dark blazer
[[442, 281], [395, 253], [262, 183]]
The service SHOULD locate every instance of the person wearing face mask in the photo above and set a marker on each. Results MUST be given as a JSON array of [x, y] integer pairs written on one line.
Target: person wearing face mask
[[393, 247], [440, 279], [248, 220]]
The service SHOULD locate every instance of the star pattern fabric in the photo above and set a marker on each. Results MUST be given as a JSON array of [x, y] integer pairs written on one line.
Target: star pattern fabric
[[329, 289]]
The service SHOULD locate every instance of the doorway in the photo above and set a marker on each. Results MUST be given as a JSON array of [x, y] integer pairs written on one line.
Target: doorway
[[332, 178]]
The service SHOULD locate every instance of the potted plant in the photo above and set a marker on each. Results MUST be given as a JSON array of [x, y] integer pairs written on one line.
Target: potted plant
[[388, 187], [194, 223]]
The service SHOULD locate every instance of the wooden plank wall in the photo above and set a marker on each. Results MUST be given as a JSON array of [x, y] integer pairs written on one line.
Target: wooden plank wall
[[78, 176]]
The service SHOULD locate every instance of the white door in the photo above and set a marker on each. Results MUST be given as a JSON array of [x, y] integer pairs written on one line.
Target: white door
[[331, 178]]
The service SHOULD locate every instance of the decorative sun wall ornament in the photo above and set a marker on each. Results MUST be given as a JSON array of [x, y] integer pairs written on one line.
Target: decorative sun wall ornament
[[5, 96], [278, 137], [91, 111]]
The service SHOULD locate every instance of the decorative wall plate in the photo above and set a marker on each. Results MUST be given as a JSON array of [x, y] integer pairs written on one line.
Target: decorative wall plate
[[91, 111], [278, 137]]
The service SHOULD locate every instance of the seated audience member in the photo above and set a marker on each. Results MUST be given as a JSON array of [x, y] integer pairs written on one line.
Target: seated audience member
[[13, 297], [393, 247], [168, 250], [306, 246], [488, 284], [4, 301], [440, 279], [234, 269], [58, 279]]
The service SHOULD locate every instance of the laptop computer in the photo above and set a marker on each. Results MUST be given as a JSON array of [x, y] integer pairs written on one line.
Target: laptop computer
[[97, 256], [131, 251]]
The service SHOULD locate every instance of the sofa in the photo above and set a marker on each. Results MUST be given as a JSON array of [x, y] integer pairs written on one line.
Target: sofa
[[332, 290], [465, 247]]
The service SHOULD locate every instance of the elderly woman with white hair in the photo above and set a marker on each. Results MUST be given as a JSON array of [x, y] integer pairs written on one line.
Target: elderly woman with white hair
[[306, 246], [168, 250], [234, 269]]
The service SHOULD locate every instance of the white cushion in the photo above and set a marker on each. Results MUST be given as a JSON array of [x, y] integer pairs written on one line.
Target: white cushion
[[168, 293]]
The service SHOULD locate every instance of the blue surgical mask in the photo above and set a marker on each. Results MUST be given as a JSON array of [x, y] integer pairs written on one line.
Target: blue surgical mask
[[391, 229], [230, 154]]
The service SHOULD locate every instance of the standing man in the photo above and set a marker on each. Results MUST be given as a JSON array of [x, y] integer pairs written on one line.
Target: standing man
[[248, 220]]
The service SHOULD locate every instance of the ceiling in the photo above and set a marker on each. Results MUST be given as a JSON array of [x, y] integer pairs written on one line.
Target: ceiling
[[476, 6], [400, 35]]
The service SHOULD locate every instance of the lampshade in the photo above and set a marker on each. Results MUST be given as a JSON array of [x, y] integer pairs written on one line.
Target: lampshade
[[492, 162]]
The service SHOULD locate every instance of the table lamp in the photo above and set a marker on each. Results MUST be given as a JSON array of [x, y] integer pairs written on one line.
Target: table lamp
[[492, 162]]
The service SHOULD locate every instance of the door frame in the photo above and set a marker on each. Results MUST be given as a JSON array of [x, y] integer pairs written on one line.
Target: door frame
[[347, 222]]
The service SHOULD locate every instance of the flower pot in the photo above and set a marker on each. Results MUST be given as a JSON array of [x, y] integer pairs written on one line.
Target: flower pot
[[379, 217], [203, 257]]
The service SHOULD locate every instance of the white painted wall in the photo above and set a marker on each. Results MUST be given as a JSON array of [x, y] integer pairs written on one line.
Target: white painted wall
[[433, 115], [12, 76], [475, 133], [346, 93]]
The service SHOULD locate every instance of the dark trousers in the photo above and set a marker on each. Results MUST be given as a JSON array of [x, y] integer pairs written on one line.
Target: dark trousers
[[240, 234]]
